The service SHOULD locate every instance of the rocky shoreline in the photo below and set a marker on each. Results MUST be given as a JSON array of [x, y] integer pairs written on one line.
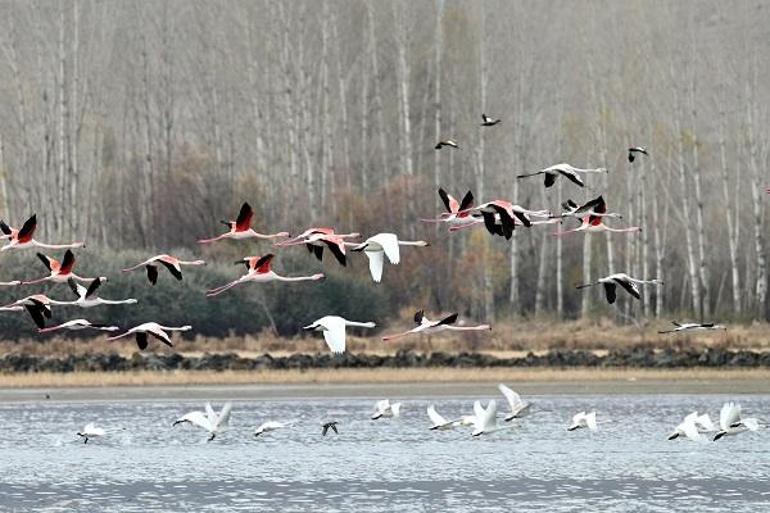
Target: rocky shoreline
[[636, 357]]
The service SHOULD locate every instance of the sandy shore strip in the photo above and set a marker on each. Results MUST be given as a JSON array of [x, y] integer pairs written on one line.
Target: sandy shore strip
[[273, 384]]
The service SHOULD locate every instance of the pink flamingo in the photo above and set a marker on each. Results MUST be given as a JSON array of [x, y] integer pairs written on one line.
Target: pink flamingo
[[259, 271], [22, 238], [241, 228], [173, 264], [150, 328], [61, 272]]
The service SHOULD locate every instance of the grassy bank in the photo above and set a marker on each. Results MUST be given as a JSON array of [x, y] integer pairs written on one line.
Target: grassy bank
[[505, 339], [382, 376]]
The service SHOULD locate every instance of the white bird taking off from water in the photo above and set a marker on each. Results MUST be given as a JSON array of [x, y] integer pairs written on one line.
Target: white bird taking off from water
[[692, 427], [385, 408], [439, 422], [333, 329], [628, 284], [211, 421], [90, 431], [485, 420], [731, 423], [380, 246], [271, 425], [518, 406], [583, 420], [428, 327]]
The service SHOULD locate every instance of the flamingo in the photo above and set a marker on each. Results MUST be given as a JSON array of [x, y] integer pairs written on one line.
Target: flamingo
[[38, 306], [506, 211], [446, 142], [315, 243], [457, 213], [271, 425], [315, 230], [569, 172], [90, 431], [487, 121], [428, 327], [61, 272], [382, 245], [211, 421], [597, 207], [326, 426], [241, 228], [173, 264], [86, 297], [497, 224], [731, 423], [315, 239], [77, 325], [22, 238], [612, 281], [439, 422], [694, 326], [636, 149], [518, 406], [584, 420], [259, 271], [150, 328], [333, 329], [594, 224], [384, 408]]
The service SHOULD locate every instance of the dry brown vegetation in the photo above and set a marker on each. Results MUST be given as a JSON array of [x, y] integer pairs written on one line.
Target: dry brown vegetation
[[505, 340], [369, 376]]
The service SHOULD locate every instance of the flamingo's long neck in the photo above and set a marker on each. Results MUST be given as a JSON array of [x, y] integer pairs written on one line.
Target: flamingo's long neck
[[412, 243], [293, 278]]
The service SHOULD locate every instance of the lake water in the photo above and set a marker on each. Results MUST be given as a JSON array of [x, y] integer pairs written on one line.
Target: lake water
[[388, 465]]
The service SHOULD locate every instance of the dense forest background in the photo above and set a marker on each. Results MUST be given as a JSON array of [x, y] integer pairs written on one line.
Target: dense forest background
[[138, 125]]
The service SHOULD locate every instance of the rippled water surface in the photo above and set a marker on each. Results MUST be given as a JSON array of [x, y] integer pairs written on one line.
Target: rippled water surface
[[389, 465]]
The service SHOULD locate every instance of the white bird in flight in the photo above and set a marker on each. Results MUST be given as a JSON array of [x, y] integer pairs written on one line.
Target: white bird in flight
[[439, 422], [731, 423], [485, 420], [270, 425], [693, 426], [87, 298], [77, 325], [629, 284], [694, 326], [384, 408], [333, 329], [382, 245], [150, 328], [428, 327], [583, 420], [90, 431], [518, 406], [569, 172], [213, 422]]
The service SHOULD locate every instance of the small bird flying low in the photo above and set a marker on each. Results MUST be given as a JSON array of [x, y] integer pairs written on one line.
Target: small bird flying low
[[446, 142], [636, 150]]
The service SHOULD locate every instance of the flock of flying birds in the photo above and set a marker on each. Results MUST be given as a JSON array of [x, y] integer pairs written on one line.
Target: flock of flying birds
[[483, 420], [499, 217]]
